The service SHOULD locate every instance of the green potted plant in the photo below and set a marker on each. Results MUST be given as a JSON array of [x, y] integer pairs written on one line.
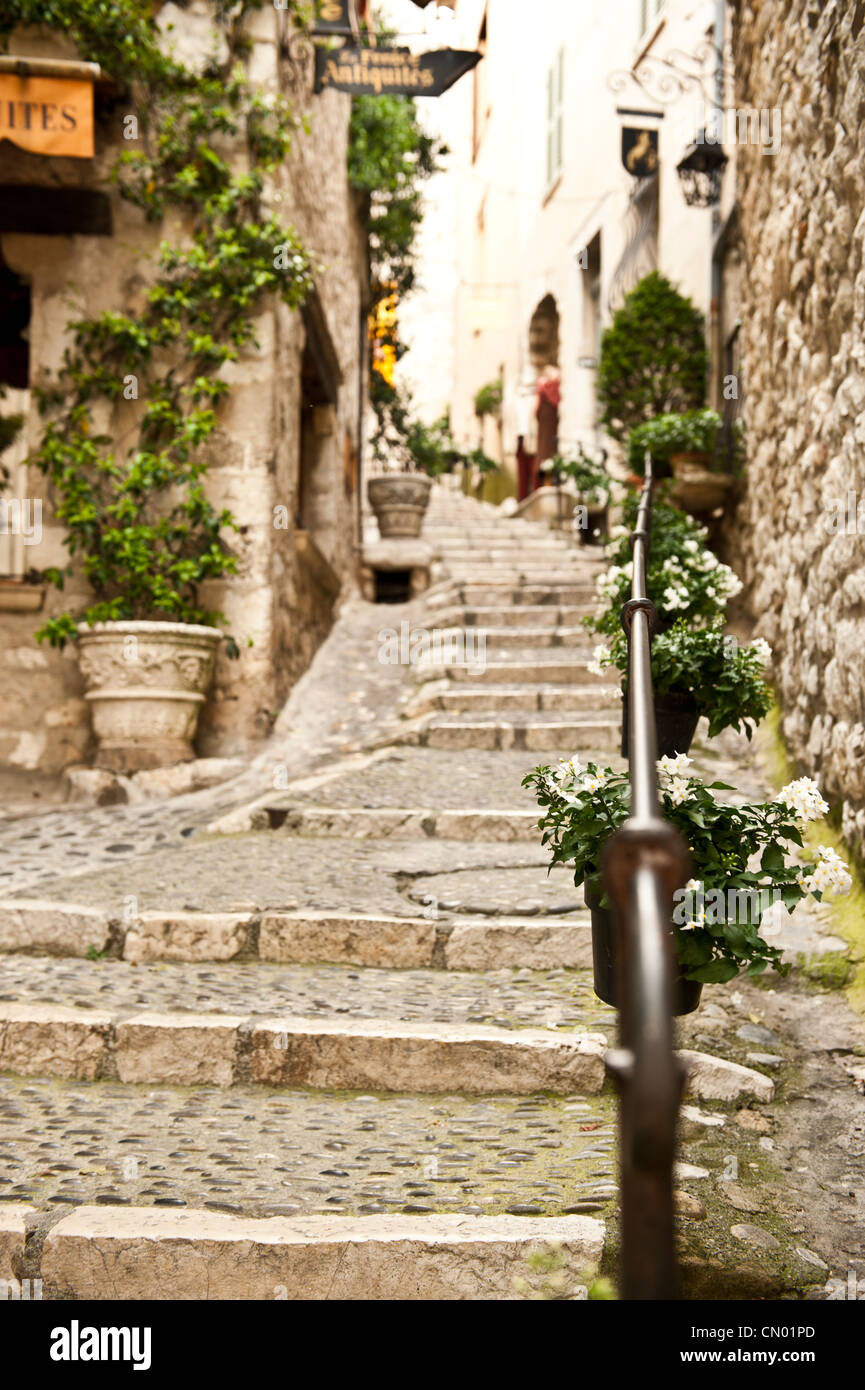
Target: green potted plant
[[410, 455], [684, 443], [696, 672], [653, 358], [684, 578], [591, 485], [146, 538], [749, 865]]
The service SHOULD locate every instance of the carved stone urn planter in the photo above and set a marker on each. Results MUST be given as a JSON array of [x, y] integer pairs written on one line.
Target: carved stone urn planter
[[399, 501], [696, 487], [145, 684]]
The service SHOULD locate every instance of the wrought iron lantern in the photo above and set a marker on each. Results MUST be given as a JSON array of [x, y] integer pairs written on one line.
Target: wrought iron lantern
[[701, 171]]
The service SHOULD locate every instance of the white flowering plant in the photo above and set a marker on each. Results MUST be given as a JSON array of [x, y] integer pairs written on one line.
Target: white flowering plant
[[724, 677], [750, 864], [684, 578]]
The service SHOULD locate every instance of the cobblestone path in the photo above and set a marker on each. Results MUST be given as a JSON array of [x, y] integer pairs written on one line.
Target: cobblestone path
[[329, 1031]]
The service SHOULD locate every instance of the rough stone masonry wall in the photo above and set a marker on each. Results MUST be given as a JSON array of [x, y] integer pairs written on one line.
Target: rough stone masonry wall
[[254, 458], [803, 313]]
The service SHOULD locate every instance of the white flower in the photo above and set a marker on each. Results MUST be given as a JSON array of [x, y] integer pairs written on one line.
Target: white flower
[[762, 649], [678, 791], [675, 598], [803, 797], [674, 767], [602, 658], [671, 563], [830, 875], [568, 770], [691, 546], [593, 783]]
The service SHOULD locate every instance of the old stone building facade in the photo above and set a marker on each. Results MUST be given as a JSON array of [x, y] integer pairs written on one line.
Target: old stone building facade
[[285, 458], [795, 536]]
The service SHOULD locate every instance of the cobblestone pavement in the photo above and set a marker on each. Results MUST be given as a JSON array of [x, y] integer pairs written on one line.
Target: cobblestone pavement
[[771, 1194], [507, 998], [271, 1154], [278, 870]]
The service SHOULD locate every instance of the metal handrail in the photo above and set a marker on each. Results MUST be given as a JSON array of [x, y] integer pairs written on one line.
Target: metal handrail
[[643, 865]]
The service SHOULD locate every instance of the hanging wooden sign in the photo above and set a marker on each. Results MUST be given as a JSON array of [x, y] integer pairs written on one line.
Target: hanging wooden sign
[[47, 115], [640, 151], [336, 17], [398, 71]]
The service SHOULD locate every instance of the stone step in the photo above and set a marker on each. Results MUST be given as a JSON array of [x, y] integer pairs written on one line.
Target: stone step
[[536, 735], [530, 616], [463, 699], [490, 593], [302, 1153], [408, 823], [496, 638], [572, 671], [99, 1253], [219, 1049], [441, 940], [540, 557]]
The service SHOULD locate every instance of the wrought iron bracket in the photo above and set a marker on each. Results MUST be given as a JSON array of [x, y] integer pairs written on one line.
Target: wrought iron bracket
[[638, 844], [639, 605]]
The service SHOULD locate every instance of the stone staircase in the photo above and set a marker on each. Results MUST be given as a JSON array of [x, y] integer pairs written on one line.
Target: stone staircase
[[353, 1052]]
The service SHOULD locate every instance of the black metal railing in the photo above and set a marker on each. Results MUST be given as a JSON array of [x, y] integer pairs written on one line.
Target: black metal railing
[[644, 863]]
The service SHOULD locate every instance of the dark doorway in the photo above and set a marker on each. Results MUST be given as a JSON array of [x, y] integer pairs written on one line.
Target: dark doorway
[[14, 329]]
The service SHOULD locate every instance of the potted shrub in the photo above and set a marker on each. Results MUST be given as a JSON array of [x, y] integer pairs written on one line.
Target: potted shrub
[[411, 455], [591, 485], [696, 672], [653, 357], [146, 539], [684, 578], [748, 862], [684, 443]]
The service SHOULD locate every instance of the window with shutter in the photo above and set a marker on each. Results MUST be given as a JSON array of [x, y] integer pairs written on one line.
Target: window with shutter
[[555, 119]]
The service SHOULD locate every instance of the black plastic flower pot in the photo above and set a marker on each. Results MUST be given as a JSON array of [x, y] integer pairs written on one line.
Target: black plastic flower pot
[[676, 720], [686, 993]]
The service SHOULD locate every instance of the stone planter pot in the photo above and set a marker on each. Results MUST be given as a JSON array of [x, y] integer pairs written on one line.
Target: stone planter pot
[[597, 516], [686, 993], [696, 487], [676, 720], [145, 684], [17, 596], [399, 501]]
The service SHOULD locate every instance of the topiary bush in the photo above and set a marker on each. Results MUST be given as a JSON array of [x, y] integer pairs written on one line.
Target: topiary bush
[[653, 357]]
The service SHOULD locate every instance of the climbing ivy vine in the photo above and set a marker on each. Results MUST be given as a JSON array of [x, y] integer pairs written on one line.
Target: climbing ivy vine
[[137, 517], [390, 158]]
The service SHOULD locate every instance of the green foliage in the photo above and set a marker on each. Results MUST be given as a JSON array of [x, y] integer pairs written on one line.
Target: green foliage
[[739, 852], [488, 400], [139, 521], [590, 478], [684, 579], [401, 437], [653, 357], [390, 157], [725, 678], [692, 431]]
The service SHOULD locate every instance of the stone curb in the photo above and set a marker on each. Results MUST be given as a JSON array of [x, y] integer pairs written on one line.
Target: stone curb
[[406, 823], [144, 1253], [582, 736], [301, 938], [192, 1049]]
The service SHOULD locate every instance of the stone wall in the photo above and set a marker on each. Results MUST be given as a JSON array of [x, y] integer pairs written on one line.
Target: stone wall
[[803, 311], [284, 596]]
